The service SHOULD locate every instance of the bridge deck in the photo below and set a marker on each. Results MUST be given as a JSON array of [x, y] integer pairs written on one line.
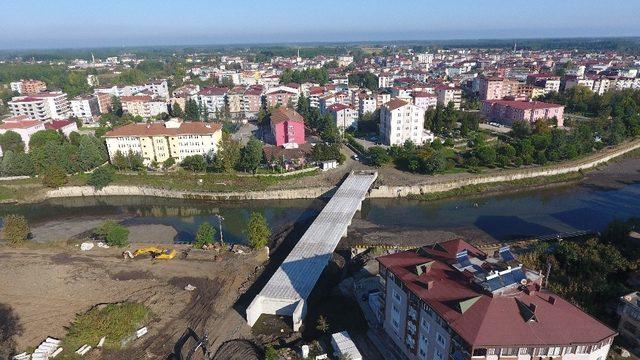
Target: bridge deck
[[296, 277]]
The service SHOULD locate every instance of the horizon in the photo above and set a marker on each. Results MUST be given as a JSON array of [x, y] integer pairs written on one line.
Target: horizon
[[199, 23]]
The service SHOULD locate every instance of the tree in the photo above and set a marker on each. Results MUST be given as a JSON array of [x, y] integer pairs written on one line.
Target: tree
[[228, 153], [41, 138], [116, 106], [271, 354], [11, 141], [91, 151], [119, 160], [322, 324], [54, 177], [15, 229], [176, 110], [251, 155], [379, 156], [205, 235], [258, 231], [191, 110], [17, 164], [195, 163], [486, 155], [113, 233], [135, 160], [101, 177], [168, 163]]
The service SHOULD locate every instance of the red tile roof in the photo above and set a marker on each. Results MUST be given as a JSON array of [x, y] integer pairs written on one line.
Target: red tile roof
[[395, 103], [58, 124], [158, 129], [19, 124], [213, 91], [493, 320], [524, 105], [282, 114], [338, 107]]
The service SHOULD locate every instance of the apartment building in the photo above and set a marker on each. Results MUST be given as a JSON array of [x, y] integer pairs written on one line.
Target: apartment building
[[548, 82], [451, 301], [28, 87], [287, 128], [282, 96], [424, 100], [490, 88], [41, 106], [509, 111], [162, 140], [211, 99], [143, 105], [252, 100], [629, 324], [366, 104], [344, 116], [447, 94], [22, 125], [85, 108], [234, 100], [401, 121]]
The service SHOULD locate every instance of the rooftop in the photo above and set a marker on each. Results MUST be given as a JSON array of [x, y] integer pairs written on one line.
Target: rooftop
[[282, 114], [491, 300], [161, 128], [524, 105]]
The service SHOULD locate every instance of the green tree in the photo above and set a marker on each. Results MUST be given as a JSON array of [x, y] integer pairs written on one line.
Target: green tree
[[17, 164], [168, 163], [271, 354], [258, 231], [41, 138], [113, 233], [135, 161], [486, 155], [91, 152], [15, 229], [54, 177], [205, 235], [116, 106], [11, 141], [101, 177], [119, 160], [191, 110], [176, 110], [379, 156], [195, 163], [228, 153], [322, 324], [251, 155]]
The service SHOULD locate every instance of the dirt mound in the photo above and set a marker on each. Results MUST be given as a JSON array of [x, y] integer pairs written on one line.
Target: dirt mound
[[238, 350]]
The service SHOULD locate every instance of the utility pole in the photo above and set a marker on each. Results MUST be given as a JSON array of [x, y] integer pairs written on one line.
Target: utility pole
[[220, 218], [546, 279]]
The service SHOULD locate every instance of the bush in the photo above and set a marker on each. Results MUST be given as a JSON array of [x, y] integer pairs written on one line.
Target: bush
[[113, 233], [379, 156], [101, 177], [15, 229], [258, 231], [54, 177], [195, 163], [168, 163], [205, 235]]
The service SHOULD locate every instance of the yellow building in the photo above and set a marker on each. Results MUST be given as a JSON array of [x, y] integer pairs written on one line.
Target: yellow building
[[160, 141]]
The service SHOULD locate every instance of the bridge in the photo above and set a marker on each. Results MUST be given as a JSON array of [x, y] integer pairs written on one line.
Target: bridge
[[287, 291]]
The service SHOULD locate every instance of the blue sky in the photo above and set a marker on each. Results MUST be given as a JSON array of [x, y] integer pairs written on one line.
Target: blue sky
[[95, 23]]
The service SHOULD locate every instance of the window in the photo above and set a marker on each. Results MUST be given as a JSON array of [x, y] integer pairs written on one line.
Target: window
[[396, 295], [438, 355], [509, 352], [440, 339], [480, 352], [525, 351], [424, 324]]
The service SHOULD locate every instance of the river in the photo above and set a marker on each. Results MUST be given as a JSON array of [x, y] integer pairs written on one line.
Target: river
[[564, 208]]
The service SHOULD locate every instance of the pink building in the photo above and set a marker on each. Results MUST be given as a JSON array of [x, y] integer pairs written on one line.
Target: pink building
[[424, 100], [509, 111], [491, 88], [287, 127]]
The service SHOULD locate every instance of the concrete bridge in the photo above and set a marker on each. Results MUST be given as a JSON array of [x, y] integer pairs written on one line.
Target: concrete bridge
[[287, 291]]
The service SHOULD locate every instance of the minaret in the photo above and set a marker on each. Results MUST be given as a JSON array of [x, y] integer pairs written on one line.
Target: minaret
[[93, 58]]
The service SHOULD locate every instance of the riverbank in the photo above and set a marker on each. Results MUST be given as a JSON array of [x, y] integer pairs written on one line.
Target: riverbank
[[391, 182]]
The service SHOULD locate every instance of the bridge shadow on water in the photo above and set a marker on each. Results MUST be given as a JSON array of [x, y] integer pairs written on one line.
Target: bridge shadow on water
[[503, 228]]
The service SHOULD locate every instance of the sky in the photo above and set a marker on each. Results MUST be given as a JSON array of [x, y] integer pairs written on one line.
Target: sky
[[100, 23]]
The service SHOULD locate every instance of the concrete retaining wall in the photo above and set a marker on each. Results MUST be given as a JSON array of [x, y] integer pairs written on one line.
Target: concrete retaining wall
[[506, 175], [118, 190]]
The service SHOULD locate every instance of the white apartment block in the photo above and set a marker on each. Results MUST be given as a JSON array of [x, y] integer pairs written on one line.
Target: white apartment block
[[448, 95], [345, 116], [367, 104], [212, 99], [163, 140], [401, 121], [41, 106], [143, 105], [22, 125], [85, 108]]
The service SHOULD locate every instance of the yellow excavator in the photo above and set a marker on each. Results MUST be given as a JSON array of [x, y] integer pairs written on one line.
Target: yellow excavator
[[155, 252]]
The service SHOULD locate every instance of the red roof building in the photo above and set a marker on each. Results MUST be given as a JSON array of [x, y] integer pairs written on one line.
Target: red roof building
[[509, 111], [287, 127], [452, 301]]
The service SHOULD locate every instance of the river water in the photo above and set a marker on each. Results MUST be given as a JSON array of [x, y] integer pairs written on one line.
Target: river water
[[501, 217]]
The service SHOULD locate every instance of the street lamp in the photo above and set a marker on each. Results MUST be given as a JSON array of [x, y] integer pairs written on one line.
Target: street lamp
[[220, 218]]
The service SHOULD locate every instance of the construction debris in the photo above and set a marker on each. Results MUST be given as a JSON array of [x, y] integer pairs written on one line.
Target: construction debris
[[189, 287], [83, 349], [143, 330], [86, 246], [101, 342]]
